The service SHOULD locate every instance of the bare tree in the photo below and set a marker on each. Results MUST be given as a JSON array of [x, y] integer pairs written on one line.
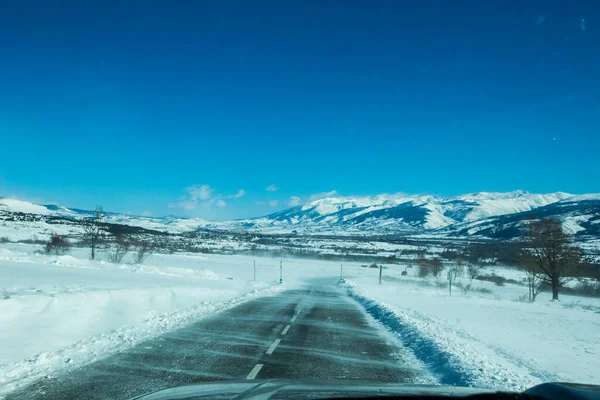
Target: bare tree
[[57, 245], [454, 272], [473, 271], [92, 233], [141, 250], [552, 254], [119, 249]]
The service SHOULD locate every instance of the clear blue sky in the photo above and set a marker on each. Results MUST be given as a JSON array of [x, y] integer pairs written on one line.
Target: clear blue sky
[[130, 104]]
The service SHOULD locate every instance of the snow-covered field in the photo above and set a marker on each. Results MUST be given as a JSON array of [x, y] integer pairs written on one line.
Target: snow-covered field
[[60, 312]]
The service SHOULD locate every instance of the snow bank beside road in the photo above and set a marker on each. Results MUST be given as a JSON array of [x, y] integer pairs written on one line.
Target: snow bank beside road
[[60, 312], [47, 363], [486, 339]]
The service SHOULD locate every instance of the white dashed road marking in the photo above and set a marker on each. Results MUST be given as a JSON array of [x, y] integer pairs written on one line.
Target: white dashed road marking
[[270, 351], [273, 345], [254, 371]]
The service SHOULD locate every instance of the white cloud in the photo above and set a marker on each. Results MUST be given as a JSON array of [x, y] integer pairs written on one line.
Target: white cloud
[[322, 195], [221, 203], [272, 188], [197, 195], [199, 192], [146, 214], [240, 193], [273, 203], [294, 201]]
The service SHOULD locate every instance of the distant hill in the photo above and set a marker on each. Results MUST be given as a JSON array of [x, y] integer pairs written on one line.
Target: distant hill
[[485, 214]]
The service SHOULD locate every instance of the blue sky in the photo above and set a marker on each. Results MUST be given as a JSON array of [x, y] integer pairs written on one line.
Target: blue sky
[[174, 107]]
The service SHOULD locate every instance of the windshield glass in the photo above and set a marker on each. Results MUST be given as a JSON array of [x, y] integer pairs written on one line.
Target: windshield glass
[[386, 192]]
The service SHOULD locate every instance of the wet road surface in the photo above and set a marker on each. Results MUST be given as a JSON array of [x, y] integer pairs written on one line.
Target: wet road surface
[[313, 334]]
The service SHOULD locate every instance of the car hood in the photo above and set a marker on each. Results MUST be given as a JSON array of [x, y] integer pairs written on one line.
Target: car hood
[[286, 389]]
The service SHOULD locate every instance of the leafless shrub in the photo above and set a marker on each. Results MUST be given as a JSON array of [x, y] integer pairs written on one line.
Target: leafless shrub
[[473, 271], [119, 249], [426, 267], [465, 288], [57, 245], [436, 267], [142, 249], [422, 270], [524, 298]]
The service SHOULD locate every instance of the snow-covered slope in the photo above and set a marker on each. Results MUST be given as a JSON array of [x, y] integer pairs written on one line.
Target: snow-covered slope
[[22, 220], [485, 205], [16, 205], [579, 215]]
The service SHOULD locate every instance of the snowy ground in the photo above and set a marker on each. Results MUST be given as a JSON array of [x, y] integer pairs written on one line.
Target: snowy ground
[[486, 339], [60, 312]]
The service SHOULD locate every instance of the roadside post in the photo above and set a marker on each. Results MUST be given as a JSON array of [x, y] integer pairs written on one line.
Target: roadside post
[[254, 271], [280, 272], [380, 272]]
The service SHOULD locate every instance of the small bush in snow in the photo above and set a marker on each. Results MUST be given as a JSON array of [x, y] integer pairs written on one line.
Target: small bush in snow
[[57, 245], [141, 250], [119, 249], [473, 271], [497, 279], [465, 288], [4, 239], [436, 266], [585, 287], [422, 271], [426, 267], [588, 288], [524, 298]]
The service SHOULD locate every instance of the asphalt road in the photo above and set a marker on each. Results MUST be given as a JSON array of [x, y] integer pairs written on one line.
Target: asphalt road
[[313, 334]]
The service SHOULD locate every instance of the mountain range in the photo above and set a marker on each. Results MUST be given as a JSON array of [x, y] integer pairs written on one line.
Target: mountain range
[[495, 215], [485, 214]]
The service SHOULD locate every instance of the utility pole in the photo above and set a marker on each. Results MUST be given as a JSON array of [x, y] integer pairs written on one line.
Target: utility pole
[[280, 272], [380, 272], [254, 271]]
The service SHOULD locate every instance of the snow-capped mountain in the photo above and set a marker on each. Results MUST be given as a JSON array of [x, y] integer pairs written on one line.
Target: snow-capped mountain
[[402, 213], [485, 214]]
